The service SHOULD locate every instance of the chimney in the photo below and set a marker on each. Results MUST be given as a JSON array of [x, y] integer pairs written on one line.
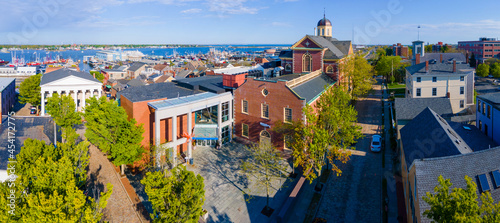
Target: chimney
[[448, 94], [454, 66], [467, 57], [440, 58], [417, 58], [427, 66], [94, 75]]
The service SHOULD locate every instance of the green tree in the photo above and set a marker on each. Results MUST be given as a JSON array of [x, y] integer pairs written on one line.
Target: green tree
[[428, 48], [98, 75], [30, 91], [359, 73], [461, 205], [178, 197], [444, 48], [49, 185], [387, 64], [264, 165], [63, 110], [495, 70], [109, 129], [472, 60], [325, 135], [483, 70], [388, 51]]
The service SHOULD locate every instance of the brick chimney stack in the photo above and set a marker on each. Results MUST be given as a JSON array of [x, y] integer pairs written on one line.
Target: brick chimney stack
[[440, 58], [454, 66], [426, 66], [467, 57], [417, 58]]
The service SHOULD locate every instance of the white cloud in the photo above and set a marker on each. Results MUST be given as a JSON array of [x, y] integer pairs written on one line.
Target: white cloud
[[281, 24], [190, 11], [222, 7]]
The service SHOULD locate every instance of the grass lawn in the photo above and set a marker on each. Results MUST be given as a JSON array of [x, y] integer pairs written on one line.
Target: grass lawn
[[397, 91], [396, 85]]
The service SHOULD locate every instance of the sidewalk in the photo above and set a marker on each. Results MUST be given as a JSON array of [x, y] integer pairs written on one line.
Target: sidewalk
[[392, 210]]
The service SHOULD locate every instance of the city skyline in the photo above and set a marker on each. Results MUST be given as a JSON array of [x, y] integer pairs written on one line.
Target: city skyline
[[242, 21]]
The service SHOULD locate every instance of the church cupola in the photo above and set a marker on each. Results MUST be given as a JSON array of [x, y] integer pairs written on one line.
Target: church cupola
[[324, 28]]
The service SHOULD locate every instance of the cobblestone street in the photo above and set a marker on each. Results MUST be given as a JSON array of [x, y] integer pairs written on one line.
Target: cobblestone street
[[355, 196], [225, 186]]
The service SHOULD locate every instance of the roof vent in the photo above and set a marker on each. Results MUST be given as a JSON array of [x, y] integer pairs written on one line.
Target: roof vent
[[457, 141], [467, 128]]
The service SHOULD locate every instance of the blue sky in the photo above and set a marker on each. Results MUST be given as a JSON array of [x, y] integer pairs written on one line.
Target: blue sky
[[242, 21]]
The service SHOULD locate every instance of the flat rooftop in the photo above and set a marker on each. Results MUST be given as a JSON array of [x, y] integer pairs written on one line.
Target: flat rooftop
[[174, 102]]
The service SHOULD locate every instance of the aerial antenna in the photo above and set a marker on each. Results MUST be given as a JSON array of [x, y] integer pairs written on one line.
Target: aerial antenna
[[418, 28]]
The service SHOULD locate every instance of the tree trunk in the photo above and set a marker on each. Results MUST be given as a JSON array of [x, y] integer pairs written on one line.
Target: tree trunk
[[123, 169]]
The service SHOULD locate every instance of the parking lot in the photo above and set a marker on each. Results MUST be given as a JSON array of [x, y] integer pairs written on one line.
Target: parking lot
[[485, 85]]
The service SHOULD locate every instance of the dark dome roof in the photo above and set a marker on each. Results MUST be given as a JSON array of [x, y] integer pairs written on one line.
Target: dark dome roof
[[324, 22]]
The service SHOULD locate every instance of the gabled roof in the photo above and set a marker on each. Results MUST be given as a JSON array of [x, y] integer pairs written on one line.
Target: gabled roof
[[135, 83], [5, 81], [160, 67], [455, 168], [136, 66], [212, 83], [338, 49], [313, 88], [428, 135], [183, 74], [63, 73], [409, 108], [439, 69]]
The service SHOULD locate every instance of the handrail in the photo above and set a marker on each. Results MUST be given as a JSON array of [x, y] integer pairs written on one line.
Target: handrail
[[301, 79]]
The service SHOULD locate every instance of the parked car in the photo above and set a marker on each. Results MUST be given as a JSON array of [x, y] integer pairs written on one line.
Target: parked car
[[33, 110], [376, 144]]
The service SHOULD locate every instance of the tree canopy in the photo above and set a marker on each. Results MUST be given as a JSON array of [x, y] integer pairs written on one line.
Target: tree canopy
[[50, 182], [263, 165], [359, 73], [472, 60], [109, 129], [176, 198], [483, 70], [461, 205], [62, 108], [325, 135], [386, 64], [29, 91]]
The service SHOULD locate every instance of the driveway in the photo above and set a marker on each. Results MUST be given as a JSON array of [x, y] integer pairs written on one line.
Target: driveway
[[355, 196]]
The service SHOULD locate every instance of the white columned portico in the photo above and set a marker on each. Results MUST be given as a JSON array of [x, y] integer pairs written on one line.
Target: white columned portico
[[190, 128], [84, 95], [75, 98], [99, 91], [174, 139]]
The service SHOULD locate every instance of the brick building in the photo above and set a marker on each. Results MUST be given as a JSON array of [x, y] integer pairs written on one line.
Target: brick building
[[261, 103], [316, 52], [483, 49], [400, 50], [199, 109]]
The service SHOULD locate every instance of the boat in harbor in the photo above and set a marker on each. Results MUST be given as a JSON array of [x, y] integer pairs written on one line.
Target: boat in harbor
[[3, 62], [4, 50]]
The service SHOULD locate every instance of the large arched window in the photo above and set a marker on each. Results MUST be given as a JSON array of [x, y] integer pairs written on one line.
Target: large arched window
[[329, 69], [307, 62]]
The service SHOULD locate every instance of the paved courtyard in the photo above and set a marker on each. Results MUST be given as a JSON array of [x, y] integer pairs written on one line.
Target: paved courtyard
[[226, 185], [355, 196]]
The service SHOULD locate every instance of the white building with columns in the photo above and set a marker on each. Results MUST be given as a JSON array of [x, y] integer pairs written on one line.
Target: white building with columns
[[79, 85]]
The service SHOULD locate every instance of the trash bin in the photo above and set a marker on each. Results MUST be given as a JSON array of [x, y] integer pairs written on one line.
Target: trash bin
[[191, 161]]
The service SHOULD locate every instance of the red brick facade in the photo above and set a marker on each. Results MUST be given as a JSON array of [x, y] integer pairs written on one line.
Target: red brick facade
[[317, 60], [143, 115], [278, 98]]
